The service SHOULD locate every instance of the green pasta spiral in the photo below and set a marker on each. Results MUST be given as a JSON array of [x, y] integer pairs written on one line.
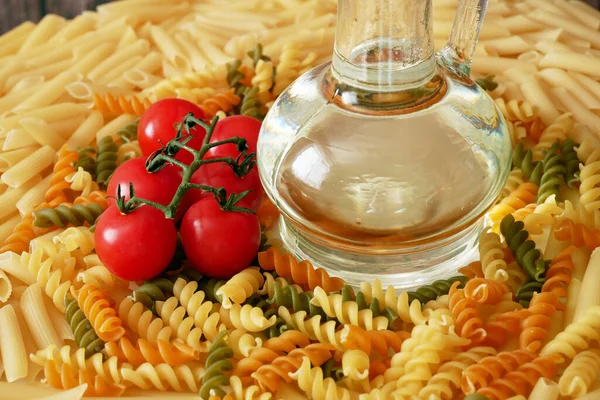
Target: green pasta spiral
[[106, 162], [289, 297], [278, 328], [152, 291], [86, 160], [257, 54], [554, 174], [522, 248], [436, 289], [525, 292], [374, 306], [250, 105], [210, 287], [61, 216], [217, 362], [129, 132], [84, 334], [571, 161], [235, 77], [523, 159], [487, 83]]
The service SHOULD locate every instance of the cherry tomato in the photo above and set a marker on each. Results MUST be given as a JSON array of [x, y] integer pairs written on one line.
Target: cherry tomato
[[136, 246], [237, 125], [159, 124], [158, 186], [221, 175], [219, 243]]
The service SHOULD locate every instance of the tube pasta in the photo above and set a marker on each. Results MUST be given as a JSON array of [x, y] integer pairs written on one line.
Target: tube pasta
[[14, 355]]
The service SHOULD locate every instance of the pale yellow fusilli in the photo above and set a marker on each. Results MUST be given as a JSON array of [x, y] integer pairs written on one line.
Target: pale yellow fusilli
[[239, 287]]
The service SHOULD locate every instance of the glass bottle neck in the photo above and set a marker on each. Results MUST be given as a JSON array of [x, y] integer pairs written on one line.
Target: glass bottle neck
[[383, 45]]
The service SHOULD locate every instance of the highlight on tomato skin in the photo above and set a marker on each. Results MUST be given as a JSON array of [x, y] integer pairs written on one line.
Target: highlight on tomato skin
[[158, 186], [219, 243], [136, 246], [160, 123], [235, 125]]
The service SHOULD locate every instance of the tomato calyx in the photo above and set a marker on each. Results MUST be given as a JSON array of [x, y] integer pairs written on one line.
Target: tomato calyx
[[241, 165]]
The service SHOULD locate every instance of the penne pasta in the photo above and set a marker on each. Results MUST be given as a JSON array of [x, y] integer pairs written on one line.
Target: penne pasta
[[18, 138], [574, 106], [5, 288], [169, 48], [52, 113], [14, 355], [558, 78], [73, 29], [43, 31], [10, 158], [112, 127], [140, 47], [141, 79], [589, 83], [85, 134], [36, 316], [34, 196], [29, 167], [8, 199], [586, 15], [49, 91], [497, 65], [511, 45], [40, 131], [7, 227], [572, 27]]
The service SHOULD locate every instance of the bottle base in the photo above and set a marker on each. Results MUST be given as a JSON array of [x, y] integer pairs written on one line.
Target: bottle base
[[408, 270]]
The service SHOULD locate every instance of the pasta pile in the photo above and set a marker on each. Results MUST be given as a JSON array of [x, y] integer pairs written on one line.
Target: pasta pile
[[522, 322]]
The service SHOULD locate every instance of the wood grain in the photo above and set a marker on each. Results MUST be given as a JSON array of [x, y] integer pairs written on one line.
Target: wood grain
[[13, 12]]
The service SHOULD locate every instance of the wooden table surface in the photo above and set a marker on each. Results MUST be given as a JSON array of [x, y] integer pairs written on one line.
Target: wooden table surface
[[13, 12]]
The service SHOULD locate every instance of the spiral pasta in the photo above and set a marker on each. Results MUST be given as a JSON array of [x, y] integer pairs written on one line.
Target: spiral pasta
[[313, 328], [589, 188], [579, 375], [554, 174], [61, 216], [270, 350], [122, 104], [175, 316], [491, 252], [577, 234], [155, 290], [519, 198], [242, 343], [143, 322], [427, 293], [99, 312], [379, 342], [55, 281], [246, 317], [447, 380], [76, 238], [181, 378], [468, 323], [251, 105], [216, 364], [302, 273], [63, 377], [576, 336], [100, 277], [77, 359], [57, 192], [517, 110], [82, 181], [558, 276], [291, 66], [347, 312], [408, 311], [175, 353], [311, 381], [106, 162], [239, 391], [514, 180], [86, 160], [96, 197], [220, 102], [523, 159], [485, 291], [129, 132], [557, 131], [523, 249], [263, 80], [85, 336], [269, 376], [193, 302], [481, 374], [128, 150], [22, 234], [239, 287], [535, 326], [214, 76], [540, 216], [522, 380]]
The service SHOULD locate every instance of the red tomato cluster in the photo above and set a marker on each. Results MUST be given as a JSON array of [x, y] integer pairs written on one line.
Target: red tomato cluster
[[139, 245]]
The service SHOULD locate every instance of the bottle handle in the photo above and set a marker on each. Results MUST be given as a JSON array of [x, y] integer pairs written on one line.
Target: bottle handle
[[458, 52]]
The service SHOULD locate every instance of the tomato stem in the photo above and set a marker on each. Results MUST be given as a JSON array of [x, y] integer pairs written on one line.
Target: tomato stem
[[241, 166]]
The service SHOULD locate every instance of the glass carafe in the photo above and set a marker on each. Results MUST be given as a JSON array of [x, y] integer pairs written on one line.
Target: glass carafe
[[385, 161]]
